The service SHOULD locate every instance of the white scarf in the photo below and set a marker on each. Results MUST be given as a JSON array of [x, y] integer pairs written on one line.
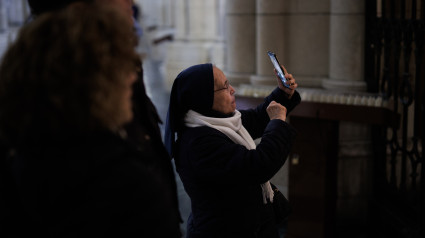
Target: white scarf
[[233, 128]]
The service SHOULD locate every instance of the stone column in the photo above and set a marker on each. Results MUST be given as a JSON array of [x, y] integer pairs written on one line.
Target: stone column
[[197, 37], [240, 37], [17, 12], [346, 70], [181, 21], [346, 73], [270, 36], [355, 172], [298, 32], [168, 12], [4, 25], [12, 16], [3, 17]]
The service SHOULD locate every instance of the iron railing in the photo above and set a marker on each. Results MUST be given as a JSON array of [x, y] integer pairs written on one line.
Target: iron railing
[[395, 68]]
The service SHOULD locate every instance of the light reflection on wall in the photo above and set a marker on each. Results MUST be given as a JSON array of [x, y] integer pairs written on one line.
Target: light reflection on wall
[[13, 14]]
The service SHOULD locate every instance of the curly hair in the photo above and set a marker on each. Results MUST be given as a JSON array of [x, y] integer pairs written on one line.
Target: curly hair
[[65, 74]]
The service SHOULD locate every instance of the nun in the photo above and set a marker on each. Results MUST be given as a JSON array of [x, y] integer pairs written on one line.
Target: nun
[[225, 173]]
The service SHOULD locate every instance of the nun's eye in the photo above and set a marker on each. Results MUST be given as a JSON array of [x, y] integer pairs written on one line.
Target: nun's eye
[[226, 86]]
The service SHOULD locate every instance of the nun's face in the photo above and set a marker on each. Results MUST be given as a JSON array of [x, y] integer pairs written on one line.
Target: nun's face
[[224, 93]]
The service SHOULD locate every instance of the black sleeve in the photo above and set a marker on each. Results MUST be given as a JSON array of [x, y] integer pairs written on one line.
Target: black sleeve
[[214, 158], [255, 120]]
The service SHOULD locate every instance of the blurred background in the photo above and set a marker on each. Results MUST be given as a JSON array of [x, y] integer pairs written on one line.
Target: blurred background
[[357, 168]]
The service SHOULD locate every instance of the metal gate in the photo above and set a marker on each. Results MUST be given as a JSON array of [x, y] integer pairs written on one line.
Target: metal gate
[[395, 68]]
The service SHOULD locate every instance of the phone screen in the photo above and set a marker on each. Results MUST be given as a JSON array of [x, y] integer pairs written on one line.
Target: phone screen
[[278, 68]]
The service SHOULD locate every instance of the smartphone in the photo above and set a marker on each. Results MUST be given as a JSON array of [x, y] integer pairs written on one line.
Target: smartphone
[[278, 68]]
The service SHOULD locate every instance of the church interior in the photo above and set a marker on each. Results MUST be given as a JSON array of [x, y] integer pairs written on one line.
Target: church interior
[[357, 166]]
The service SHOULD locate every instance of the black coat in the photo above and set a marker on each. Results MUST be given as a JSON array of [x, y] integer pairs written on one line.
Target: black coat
[[96, 186], [139, 168], [144, 133], [223, 178]]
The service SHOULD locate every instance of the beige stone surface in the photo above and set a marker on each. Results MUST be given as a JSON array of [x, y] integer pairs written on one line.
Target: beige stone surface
[[237, 79], [240, 6], [270, 37], [180, 20], [308, 45], [270, 6], [306, 6], [347, 47], [347, 6], [182, 55], [240, 53], [203, 20]]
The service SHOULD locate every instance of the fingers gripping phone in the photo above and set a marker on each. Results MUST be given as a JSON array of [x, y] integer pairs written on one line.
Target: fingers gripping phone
[[278, 68]]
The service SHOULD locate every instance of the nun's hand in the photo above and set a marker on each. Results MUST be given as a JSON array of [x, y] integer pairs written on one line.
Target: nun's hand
[[276, 111], [290, 80]]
